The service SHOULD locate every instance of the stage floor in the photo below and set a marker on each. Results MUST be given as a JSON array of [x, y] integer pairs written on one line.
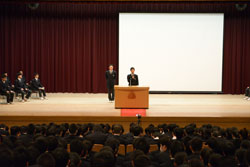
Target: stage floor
[[165, 105]]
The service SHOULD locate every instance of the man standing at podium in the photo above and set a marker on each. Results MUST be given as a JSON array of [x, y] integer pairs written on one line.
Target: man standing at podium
[[132, 78], [110, 77]]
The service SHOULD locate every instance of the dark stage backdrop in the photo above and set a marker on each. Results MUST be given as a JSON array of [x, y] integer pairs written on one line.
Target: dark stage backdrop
[[71, 45]]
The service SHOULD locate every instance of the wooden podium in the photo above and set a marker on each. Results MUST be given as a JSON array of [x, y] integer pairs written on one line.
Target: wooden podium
[[131, 97]]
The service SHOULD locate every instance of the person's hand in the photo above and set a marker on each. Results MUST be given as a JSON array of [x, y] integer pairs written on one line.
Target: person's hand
[[12, 91], [133, 76], [7, 91], [26, 89], [21, 88]]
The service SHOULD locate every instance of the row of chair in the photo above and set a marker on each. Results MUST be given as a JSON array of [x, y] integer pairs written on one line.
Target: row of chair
[[123, 149]]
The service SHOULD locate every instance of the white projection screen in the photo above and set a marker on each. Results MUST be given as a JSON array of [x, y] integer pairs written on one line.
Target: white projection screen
[[172, 52]]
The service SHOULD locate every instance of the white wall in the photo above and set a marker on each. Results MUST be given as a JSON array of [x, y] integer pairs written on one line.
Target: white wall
[[172, 52]]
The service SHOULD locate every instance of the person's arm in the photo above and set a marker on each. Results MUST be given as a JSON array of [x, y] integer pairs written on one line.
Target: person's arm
[[115, 75], [128, 78], [17, 86]]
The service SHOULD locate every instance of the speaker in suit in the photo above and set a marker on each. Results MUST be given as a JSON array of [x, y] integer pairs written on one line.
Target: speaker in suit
[[110, 78], [5, 89], [132, 78]]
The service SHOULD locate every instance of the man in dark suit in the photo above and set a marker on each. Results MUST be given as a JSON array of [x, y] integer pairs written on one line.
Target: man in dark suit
[[37, 86], [21, 87], [5, 89], [132, 78], [110, 77]]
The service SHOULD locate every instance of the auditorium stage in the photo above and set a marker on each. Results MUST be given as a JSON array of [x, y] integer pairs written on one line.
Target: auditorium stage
[[219, 109]]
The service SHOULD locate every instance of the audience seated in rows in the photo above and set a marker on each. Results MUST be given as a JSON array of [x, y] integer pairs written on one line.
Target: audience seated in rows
[[71, 145]]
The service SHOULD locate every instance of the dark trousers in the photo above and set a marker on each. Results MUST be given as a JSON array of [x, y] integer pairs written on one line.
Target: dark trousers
[[247, 92], [41, 92], [111, 93], [9, 96], [23, 92]]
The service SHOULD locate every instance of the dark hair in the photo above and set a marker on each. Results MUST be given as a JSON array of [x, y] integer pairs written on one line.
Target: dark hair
[[36, 74], [176, 147], [61, 156], [137, 130], [228, 148], [132, 68], [41, 144], [46, 160], [98, 128], [111, 65], [72, 128], [196, 144], [244, 133], [87, 147], [76, 145], [180, 158], [117, 129], [31, 129], [103, 159], [195, 163], [214, 159], [142, 161], [141, 144], [21, 156], [165, 141], [52, 143], [14, 130], [113, 143], [178, 133], [245, 144], [33, 155]]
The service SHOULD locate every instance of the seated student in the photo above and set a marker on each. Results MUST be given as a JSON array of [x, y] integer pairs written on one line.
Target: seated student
[[5, 89], [247, 93], [36, 85], [8, 80], [21, 87]]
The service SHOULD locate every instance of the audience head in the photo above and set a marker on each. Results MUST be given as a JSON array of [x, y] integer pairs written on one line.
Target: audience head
[[113, 143], [137, 130], [75, 160], [141, 144], [76, 145], [61, 157], [196, 144], [104, 158], [176, 147], [195, 163], [165, 143], [46, 160], [180, 158]]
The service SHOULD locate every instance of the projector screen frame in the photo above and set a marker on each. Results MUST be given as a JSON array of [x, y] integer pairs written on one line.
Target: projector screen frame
[[175, 92]]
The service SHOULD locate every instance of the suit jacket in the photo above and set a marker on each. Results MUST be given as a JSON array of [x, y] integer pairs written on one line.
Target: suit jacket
[[20, 84], [97, 137], [132, 81], [36, 84], [110, 78], [8, 81], [4, 87]]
